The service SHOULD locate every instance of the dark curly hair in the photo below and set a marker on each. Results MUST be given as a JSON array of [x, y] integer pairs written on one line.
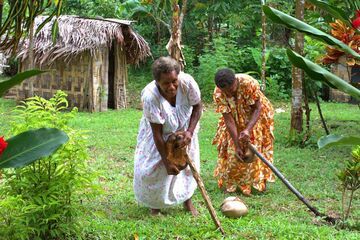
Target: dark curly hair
[[164, 65], [224, 77]]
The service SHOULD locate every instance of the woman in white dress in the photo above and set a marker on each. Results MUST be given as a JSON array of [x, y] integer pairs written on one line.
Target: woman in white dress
[[171, 103]]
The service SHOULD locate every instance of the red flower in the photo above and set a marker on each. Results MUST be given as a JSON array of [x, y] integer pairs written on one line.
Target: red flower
[[356, 21], [3, 145]]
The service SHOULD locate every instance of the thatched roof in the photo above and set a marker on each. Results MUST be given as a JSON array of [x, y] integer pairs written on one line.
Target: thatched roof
[[77, 35]]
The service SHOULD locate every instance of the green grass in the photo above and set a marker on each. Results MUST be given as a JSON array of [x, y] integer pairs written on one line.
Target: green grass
[[277, 214]]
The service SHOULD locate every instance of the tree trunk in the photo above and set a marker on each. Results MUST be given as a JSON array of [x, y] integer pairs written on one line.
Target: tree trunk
[[210, 27], [263, 55], [174, 44], [307, 114], [297, 78], [320, 112], [31, 59], [1, 11]]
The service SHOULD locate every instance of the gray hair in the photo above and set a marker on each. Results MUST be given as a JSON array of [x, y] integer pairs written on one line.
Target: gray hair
[[164, 65]]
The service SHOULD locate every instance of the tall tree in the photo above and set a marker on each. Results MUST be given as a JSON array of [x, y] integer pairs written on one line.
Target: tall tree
[[263, 43], [174, 44], [296, 126]]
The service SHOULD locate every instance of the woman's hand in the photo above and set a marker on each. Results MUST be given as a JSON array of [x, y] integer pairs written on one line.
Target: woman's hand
[[187, 137], [239, 154], [244, 136], [171, 169]]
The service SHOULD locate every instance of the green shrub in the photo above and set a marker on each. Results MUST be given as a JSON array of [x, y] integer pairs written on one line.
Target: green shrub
[[275, 88], [45, 197], [215, 56], [350, 180], [189, 54], [279, 65]]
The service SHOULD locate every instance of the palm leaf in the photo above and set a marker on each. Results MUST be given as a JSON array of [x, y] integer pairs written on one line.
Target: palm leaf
[[318, 73], [293, 23], [338, 140], [29, 146]]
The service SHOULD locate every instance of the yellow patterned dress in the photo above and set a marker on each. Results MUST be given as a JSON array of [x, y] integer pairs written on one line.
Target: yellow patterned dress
[[230, 172]]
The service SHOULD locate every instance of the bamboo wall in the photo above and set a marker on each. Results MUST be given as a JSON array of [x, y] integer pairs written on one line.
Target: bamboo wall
[[72, 77], [84, 79], [121, 78], [99, 81]]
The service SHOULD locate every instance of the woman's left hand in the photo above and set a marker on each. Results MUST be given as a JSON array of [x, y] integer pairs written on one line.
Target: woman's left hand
[[187, 136], [244, 136]]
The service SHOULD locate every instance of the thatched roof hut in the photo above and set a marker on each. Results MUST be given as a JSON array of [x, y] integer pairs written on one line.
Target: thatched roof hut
[[90, 58]]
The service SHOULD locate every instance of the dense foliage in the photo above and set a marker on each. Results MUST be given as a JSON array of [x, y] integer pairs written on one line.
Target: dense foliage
[[43, 199]]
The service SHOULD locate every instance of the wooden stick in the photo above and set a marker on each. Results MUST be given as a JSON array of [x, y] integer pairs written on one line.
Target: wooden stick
[[204, 194], [291, 187]]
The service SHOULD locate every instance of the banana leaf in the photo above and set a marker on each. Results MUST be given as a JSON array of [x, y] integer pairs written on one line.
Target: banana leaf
[[338, 140], [30, 146], [293, 23], [17, 79], [318, 73], [335, 12]]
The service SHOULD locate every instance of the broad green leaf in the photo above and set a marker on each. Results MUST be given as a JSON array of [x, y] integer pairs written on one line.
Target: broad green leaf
[[318, 73], [338, 140], [293, 23], [335, 12], [29, 146], [17, 79]]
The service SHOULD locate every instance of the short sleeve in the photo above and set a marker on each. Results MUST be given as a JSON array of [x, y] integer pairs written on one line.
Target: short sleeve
[[194, 95], [251, 91], [151, 110], [222, 106]]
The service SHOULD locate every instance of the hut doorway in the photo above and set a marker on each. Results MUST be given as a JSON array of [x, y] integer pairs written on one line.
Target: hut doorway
[[111, 76]]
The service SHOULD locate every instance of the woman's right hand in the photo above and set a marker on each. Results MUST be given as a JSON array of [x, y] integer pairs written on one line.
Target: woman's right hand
[[171, 169], [239, 153]]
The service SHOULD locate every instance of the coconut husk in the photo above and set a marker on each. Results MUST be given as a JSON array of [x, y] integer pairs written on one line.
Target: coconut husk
[[176, 150]]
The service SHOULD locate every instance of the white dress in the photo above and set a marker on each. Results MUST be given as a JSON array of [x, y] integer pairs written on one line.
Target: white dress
[[153, 187]]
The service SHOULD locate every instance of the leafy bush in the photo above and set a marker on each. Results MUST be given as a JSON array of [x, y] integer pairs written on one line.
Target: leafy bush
[[275, 88], [189, 54], [43, 200], [215, 56], [350, 180], [279, 66]]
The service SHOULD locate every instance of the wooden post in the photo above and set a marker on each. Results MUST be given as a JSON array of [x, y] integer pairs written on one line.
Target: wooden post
[[204, 194]]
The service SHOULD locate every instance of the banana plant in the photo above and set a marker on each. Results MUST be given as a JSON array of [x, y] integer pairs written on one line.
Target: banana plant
[[314, 71]]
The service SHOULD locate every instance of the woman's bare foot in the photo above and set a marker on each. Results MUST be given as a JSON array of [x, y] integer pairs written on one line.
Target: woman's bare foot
[[155, 212], [188, 205]]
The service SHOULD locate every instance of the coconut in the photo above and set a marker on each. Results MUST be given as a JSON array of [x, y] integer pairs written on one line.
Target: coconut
[[233, 207]]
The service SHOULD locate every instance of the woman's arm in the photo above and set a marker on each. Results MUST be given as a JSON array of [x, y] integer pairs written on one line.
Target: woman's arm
[[194, 119], [161, 147], [231, 127], [256, 111]]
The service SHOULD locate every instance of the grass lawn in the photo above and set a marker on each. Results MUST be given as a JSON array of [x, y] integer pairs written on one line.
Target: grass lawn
[[277, 214]]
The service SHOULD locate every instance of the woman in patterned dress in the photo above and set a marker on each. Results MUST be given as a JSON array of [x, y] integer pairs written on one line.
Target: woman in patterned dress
[[247, 116], [171, 103]]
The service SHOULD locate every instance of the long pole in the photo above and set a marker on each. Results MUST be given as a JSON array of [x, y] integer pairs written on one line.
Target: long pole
[[290, 186], [204, 194]]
